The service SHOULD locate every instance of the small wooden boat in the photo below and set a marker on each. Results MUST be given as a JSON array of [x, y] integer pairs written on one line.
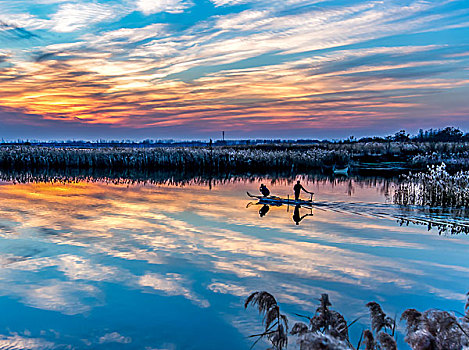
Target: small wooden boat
[[278, 201], [343, 171]]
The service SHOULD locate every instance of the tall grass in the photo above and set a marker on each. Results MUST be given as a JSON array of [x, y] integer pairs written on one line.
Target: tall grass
[[217, 159], [237, 159], [434, 188]]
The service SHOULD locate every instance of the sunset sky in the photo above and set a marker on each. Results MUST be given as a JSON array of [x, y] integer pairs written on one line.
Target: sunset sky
[[188, 69]]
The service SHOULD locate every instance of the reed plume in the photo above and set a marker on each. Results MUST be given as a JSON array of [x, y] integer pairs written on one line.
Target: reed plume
[[435, 330], [413, 319], [386, 341], [275, 323], [299, 328], [369, 340], [430, 330], [379, 320], [318, 340]]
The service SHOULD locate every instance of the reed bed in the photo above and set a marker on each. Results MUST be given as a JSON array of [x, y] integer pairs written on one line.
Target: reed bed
[[238, 159], [327, 329], [453, 160], [217, 159], [434, 188], [411, 151]]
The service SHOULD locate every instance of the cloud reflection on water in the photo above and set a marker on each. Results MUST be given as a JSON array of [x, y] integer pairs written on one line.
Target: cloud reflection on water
[[62, 242]]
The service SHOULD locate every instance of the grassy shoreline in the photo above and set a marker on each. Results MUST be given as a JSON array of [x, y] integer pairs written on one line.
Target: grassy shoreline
[[362, 158]]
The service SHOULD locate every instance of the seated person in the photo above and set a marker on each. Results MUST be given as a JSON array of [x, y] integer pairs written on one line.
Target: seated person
[[264, 190]]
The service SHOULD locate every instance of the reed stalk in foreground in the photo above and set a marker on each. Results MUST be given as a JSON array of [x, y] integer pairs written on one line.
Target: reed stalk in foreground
[[327, 329]]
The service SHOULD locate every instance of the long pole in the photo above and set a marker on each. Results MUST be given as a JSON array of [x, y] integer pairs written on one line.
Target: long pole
[[311, 203]]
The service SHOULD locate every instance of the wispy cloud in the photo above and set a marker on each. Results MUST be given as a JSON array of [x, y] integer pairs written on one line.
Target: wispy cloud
[[15, 341], [15, 32], [171, 284], [114, 337], [74, 16], [149, 7], [303, 62]]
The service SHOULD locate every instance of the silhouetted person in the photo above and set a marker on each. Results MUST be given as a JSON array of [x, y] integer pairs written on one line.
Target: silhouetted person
[[297, 189], [264, 190], [296, 215], [264, 210]]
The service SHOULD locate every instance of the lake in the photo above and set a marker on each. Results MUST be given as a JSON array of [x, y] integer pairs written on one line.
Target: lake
[[96, 265]]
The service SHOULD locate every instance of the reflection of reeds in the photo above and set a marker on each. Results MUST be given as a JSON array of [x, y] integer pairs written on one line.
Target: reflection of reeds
[[435, 188], [443, 227], [431, 330], [174, 177]]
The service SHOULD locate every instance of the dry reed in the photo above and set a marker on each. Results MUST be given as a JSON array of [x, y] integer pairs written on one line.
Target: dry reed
[[434, 188], [327, 328]]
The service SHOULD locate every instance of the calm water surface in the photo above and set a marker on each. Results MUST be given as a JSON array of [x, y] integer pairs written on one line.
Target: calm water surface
[[104, 266]]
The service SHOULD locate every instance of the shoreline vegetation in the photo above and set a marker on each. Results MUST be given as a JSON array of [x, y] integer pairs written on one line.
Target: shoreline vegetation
[[392, 155], [392, 158], [434, 188], [327, 329]]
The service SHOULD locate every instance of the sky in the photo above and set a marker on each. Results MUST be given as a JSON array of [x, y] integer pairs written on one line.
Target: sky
[[190, 69]]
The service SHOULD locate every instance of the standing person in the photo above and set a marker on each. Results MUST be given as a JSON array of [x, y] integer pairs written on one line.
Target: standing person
[[264, 190], [297, 189]]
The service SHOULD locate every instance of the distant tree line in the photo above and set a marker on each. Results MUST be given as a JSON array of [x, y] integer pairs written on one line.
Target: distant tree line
[[448, 134]]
